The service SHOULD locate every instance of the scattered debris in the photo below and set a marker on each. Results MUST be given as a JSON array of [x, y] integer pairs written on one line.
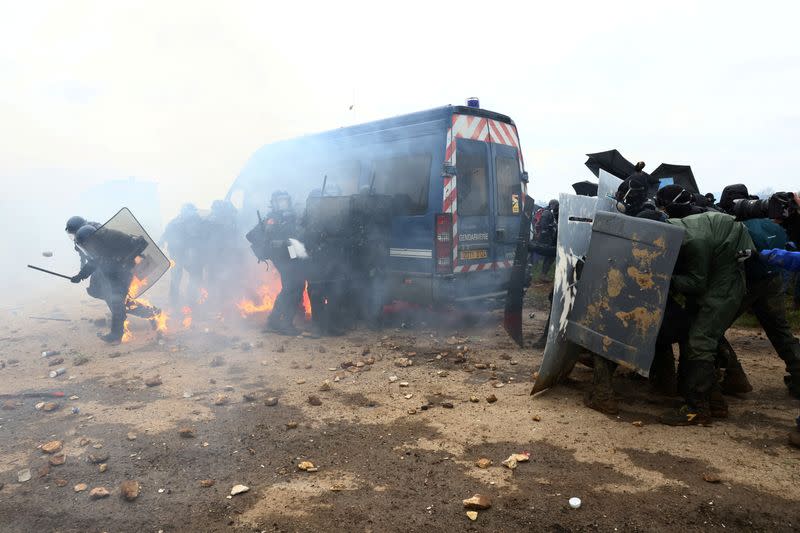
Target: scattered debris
[[153, 381], [478, 502], [43, 471], [474, 399], [58, 459], [186, 432], [239, 489], [60, 482], [97, 458], [98, 493], [80, 487], [404, 384], [84, 441], [206, 483], [515, 458], [637, 423], [24, 475], [711, 478], [249, 396], [403, 362], [472, 515], [52, 447], [129, 489], [392, 379], [412, 411], [57, 372], [575, 503], [80, 360], [481, 366], [291, 425], [499, 384], [55, 362], [271, 401], [491, 398], [536, 418], [314, 400], [326, 386], [131, 436], [50, 406], [307, 466], [221, 399], [50, 353], [408, 396], [483, 462], [102, 468], [300, 381], [447, 405]]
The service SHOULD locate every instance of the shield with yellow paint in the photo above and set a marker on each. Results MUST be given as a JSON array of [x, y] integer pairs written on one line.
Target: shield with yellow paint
[[623, 288]]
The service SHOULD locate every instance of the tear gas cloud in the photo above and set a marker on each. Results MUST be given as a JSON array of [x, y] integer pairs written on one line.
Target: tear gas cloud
[[94, 93]]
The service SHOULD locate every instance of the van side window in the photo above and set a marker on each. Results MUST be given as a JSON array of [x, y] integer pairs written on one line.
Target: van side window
[[406, 179], [342, 177], [472, 182], [506, 170]]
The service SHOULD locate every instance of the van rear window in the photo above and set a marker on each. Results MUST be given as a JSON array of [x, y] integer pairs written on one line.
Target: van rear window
[[506, 171], [473, 180], [406, 179]]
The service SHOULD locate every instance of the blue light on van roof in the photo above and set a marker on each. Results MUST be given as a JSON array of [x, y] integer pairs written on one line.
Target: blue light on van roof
[[473, 102]]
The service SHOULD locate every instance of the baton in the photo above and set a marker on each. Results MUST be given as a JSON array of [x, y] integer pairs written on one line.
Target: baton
[[49, 272]]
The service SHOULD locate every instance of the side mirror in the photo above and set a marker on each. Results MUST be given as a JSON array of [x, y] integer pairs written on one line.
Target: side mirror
[[524, 178], [448, 170]]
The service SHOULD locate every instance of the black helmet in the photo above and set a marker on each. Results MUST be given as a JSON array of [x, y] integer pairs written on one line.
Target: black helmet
[[552, 205], [83, 234], [280, 201], [675, 200], [74, 224]]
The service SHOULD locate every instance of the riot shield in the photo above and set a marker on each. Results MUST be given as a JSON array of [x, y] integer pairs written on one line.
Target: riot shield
[[575, 217], [606, 189], [512, 316], [623, 288], [123, 240]]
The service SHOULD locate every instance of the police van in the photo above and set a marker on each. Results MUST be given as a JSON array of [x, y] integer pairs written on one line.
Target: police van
[[457, 181]]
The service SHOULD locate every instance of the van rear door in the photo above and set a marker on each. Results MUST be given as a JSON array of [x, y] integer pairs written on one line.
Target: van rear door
[[507, 202], [475, 225]]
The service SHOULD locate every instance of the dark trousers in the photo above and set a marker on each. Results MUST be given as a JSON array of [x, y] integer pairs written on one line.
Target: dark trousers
[[293, 282]]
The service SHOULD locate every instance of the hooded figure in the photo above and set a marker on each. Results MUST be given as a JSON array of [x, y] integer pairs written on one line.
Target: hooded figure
[[731, 193]]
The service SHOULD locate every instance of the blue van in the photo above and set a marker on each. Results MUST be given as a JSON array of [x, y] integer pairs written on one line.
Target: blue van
[[457, 179]]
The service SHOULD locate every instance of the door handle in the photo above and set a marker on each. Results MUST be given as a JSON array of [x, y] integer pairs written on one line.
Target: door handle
[[500, 234]]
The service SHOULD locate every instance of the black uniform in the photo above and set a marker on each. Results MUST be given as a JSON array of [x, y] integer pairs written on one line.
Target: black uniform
[[112, 254], [184, 236]]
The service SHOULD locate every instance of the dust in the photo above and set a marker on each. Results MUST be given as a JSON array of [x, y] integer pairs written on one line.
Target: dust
[[645, 320], [643, 279]]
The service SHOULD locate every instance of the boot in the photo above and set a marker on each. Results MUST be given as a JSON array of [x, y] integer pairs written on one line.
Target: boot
[[114, 336], [718, 407], [601, 396], [700, 378], [735, 381], [792, 382]]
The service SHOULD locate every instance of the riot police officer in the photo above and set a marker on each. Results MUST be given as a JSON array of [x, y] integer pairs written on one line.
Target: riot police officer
[[113, 254], [184, 236]]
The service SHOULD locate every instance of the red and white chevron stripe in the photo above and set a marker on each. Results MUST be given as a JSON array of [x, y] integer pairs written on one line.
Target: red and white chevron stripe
[[477, 129], [496, 265]]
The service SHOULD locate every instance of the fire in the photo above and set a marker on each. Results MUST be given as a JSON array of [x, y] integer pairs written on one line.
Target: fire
[[171, 263], [267, 294], [161, 321], [203, 296], [187, 317], [306, 303], [126, 332], [136, 287]]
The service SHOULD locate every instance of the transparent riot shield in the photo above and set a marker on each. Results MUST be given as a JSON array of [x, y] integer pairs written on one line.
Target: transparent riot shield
[[623, 288], [124, 242], [575, 217], [606, 189]]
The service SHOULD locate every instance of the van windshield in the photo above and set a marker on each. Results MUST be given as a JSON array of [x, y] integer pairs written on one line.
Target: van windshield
[[473, 181], [506, 171], [405, 179]]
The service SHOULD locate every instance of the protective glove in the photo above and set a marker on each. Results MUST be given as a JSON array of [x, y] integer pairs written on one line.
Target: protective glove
[[782, 258], [76, 278]]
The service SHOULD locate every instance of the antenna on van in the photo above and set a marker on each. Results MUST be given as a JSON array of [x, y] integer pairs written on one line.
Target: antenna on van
[[324, 182]]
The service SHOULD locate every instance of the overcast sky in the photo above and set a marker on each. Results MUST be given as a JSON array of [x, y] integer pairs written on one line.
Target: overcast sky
[[183, 92]]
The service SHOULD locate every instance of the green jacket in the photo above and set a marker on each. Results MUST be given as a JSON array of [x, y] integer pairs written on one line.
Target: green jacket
[[707, 264]]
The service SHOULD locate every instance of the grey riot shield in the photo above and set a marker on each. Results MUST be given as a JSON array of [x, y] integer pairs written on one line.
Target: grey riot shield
[[606, 189], [574, 230], [623, 288], [123, 242]]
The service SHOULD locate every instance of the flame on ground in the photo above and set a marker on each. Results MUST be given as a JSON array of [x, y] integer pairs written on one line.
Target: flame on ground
[[306, 303], [267, 293], [203, 296], [126, 332], [161, 321], [187, 317]]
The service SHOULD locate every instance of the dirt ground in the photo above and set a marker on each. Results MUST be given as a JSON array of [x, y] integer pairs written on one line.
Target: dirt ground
[[389, 457]]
